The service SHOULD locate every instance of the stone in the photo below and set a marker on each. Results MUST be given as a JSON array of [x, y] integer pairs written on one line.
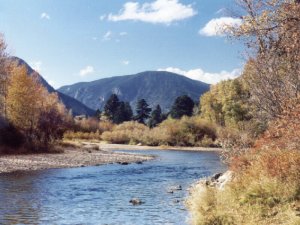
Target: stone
[[136, 201], [177, 188], [123, 163]]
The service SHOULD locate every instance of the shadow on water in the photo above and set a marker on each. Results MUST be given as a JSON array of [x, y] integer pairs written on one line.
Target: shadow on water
[[100, 195]]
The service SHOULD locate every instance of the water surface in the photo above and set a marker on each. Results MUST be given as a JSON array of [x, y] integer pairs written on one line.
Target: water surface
[[100, 195]]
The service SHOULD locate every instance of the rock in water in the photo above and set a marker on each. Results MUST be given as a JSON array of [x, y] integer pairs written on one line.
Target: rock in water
[[123, 163], [136, 201]]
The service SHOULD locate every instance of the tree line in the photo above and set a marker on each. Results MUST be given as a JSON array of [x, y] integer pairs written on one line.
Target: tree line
[[118, 111]]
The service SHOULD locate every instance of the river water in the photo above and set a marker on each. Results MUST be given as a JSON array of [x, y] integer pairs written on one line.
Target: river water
[[101, 195]]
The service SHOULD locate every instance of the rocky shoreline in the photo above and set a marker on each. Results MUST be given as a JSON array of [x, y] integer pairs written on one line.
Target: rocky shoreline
[[71, 157], [85, 154], [141, 147], [217, 181]]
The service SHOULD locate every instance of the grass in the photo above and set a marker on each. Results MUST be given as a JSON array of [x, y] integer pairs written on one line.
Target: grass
[[188, 131], [265, 190]]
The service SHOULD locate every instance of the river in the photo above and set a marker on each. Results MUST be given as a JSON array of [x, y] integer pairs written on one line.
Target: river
[[101, 195]]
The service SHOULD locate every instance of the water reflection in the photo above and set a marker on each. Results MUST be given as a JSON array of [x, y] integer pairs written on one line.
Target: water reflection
[[100, 195], [20, 204]]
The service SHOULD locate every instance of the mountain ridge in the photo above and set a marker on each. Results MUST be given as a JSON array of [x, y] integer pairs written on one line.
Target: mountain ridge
[[157, 87]]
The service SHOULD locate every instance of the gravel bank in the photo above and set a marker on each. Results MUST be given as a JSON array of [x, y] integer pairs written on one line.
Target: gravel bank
[[140, 147], [70, 158]]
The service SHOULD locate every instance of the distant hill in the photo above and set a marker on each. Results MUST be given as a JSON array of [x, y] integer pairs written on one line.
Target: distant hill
[[77, 107], [157, 87]]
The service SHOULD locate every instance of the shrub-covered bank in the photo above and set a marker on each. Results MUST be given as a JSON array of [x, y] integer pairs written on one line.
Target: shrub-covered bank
[[265, 188], [188, 131]]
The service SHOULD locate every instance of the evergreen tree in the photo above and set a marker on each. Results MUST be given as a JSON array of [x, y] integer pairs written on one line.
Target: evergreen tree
[[183, 106], [117, 111], [98, 113], [128, 112], [156, 117], [111, 107], [123, 113], [142, 111]]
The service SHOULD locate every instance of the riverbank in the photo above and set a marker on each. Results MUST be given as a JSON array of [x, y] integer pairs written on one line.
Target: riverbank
[[71, 157], [106, 146], [84, 153]]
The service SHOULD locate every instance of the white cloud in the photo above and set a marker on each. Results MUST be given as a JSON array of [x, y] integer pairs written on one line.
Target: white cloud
[[102, 17], [125, 62], [86, 71], [37, 66], [158, 11], [123, 33], [217, 26], [107, 36], [45, 16], [200, 75]]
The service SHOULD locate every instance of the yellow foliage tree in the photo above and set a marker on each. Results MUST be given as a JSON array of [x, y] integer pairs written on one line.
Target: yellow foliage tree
[[32, 110], [24, 99]]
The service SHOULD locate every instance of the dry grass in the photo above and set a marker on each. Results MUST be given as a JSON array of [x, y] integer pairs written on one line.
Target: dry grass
[[266, 187], [265, 191], [188, 131]]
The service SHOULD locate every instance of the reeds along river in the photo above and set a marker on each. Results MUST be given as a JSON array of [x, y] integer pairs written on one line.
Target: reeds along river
[[101, 195]]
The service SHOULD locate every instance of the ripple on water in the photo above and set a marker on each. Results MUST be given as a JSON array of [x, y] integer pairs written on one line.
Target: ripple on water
[[100, 195]]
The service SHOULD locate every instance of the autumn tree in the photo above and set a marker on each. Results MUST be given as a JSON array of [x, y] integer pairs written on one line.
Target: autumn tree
[[53, 120], [24, 100], [271, 31], [4, 68], [32, 110], [227, 103]]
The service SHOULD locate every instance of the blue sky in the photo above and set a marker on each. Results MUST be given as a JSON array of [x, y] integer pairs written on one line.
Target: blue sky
[[71, 41]]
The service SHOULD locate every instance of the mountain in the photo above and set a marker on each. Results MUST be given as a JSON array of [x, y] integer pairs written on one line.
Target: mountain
[[76, 106], [157, 87]]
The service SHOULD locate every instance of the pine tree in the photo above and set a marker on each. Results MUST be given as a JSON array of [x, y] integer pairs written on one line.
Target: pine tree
[[142, 111], [117, 111], [111, 107], [128, 112], [98, 113], [183, 106], [156, 117], [123, 113]]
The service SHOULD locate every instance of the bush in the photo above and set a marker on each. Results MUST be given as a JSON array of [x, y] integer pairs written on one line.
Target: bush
[[265, 190], [128, 132], [105, 126], [184, 132], [71, 135], [188, 131], [10, 139], [266, 186]]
